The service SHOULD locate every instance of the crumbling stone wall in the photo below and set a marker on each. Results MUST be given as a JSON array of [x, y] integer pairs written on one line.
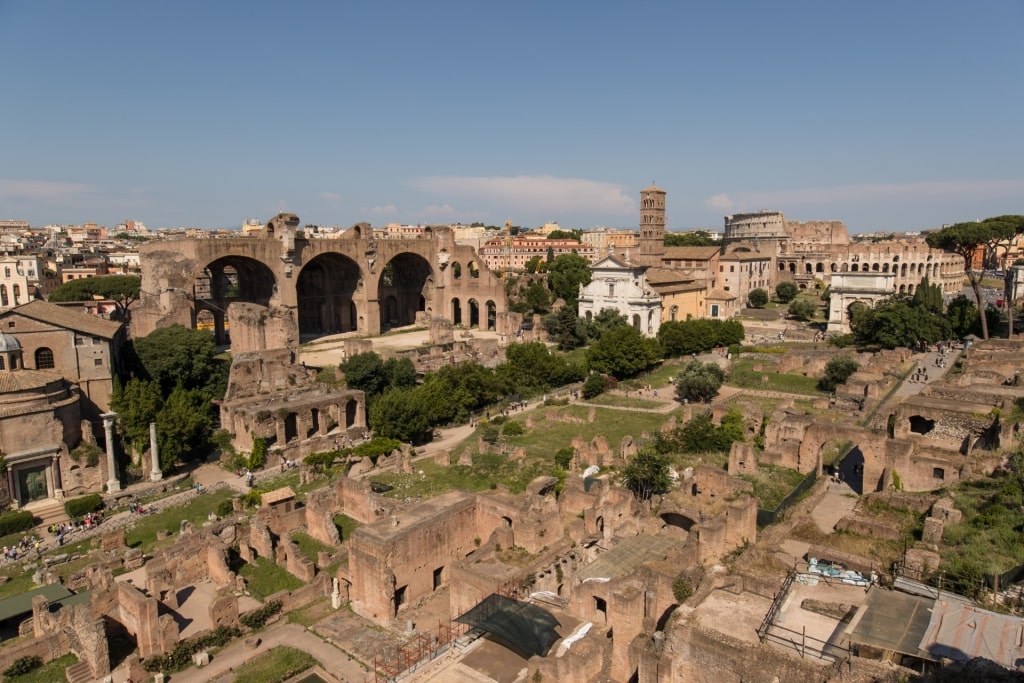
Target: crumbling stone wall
[[85, 633]]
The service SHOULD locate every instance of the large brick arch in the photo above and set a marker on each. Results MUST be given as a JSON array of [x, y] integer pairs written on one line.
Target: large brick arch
[[873, 445], [171, 269]]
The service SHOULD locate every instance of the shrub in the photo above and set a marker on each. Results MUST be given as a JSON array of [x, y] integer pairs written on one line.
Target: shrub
[[512, 428], [802, 308], [594, 386], [841, 341], [682, 588], [258, 455], [837, 371], [89, 452], [758, 298], [786, 291], [79, 507], [563, 457], [490, 434], [14, 522], [735, 350], [258, 618], [225, 508], [23, 665], [181, 656]]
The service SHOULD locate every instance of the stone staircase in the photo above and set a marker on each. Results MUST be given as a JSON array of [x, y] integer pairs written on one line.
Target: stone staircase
[[78, 673], [49, 511]]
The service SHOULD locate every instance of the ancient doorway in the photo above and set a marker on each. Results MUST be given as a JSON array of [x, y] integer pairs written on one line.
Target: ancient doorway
[[225, 281], [32, 484], [474, 313]]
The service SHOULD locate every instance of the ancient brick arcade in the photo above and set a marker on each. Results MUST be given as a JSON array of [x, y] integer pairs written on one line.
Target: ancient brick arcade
[[356, 282]]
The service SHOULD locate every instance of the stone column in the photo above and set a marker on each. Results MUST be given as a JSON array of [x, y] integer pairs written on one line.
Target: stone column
[[58, 484], [113, 483], [154, 455]]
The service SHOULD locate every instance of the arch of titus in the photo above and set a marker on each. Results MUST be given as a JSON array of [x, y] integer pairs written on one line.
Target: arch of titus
[[355, 282]]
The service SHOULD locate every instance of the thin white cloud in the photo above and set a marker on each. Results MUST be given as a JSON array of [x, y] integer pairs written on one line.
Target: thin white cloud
[[388, 210], [719, 202], [963, 190], [435, 210], [546, 194], [40, 189], [330, 196]]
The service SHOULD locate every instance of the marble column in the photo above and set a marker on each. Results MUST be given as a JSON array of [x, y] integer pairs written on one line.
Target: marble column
[[155, 474], [58, 483], [113, 483]]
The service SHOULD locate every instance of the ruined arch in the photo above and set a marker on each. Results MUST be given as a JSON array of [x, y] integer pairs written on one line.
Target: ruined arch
[[326, 290], [492, 315], [456, 311], [401, 289], [227, 280], [474, 313]]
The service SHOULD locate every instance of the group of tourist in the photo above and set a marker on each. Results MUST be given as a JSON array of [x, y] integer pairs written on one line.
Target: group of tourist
[[26, 544]]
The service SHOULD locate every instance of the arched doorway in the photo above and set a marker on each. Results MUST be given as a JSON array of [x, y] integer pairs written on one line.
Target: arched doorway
[[474, 313], [492, 316], [405, 283], [456, 312], [325, 291], [225, 281]]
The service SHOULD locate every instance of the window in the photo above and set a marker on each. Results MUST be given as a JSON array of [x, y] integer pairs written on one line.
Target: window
[[938, 473], [7, 272], [44, 358], [714, 310], [732, 269], [611, 289], [2, 363], [98, 362]]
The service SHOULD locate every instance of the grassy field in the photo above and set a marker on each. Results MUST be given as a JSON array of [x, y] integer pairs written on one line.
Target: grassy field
[[628, 402], [309, 546], [47, 673], [772, 484], [275, 665], [143, 533], [744, 375], [988, 540], [346, 525], [541, 442], [266, 578]]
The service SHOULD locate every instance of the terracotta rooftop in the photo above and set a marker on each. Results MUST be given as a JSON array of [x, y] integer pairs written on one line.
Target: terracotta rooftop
[[277, 496], [60, 316], [690, 253]]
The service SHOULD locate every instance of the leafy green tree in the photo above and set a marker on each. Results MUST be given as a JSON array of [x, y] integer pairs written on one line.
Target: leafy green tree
[[183, 426], [565, 275], [536, 264], [180, 355], [533, 366], [963, 317], [565, 235], [123, 290], [699, 382], [646, 474], [400, 414], [538, 298], [697, 238], [928, 296], [895, 323], [802, 308], [607, 319], [685, 337], [758, 298], [623, 352], [593, 386], [786, 291], [365, 372], [136, 403], [401, 372], [967, 239], [837, 371], [566, 328]]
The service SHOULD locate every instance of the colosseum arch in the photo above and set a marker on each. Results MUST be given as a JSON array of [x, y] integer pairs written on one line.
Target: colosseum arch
[[325, 292], [402, 289], [224, 281]]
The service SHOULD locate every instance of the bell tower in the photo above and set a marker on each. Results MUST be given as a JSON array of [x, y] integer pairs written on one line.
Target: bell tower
[[652, 226]]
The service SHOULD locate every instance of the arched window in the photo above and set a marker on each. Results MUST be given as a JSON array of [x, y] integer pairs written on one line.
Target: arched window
[[44, 358]]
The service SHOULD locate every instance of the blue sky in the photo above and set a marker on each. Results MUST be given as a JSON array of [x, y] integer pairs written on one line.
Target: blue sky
[[886, 115]]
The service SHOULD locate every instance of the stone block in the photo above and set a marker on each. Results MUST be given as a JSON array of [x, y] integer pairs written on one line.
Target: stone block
[[201, 658], [932, 531]]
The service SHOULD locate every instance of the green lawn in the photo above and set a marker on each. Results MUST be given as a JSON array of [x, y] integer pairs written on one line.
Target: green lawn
[[143, 533], [309, 546], [628, 402], [772, 484], [265, 578], [47, 673], [275, 665], [541, 443], [346, 525], [744, 375]]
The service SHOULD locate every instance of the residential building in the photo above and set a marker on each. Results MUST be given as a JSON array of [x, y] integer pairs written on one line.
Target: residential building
[[622, 287]]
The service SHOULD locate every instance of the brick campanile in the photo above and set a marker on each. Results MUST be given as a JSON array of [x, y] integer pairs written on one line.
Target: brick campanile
[[652, 226]]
